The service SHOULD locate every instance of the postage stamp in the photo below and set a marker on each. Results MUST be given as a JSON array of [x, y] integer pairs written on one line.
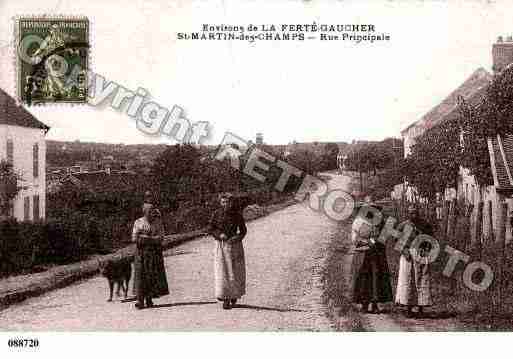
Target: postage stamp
[[52, 59]]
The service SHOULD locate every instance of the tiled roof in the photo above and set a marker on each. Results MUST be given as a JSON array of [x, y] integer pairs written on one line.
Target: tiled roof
[[501, 160], [14, 115], [472, 90], [101, 181]]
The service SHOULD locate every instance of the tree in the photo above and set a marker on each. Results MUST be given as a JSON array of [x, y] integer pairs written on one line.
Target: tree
[[173, 173], [492, 117], [434, 162], [329, 157], [305, 160], [9, 187]]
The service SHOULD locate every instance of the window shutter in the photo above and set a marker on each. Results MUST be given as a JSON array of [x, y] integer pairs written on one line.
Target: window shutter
[[10, 152], [36, 208], [35, 156], [26, 208]]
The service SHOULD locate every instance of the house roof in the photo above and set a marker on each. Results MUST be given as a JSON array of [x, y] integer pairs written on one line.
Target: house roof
[[14, 115], [501, 161], [101, 181], [472, 90]]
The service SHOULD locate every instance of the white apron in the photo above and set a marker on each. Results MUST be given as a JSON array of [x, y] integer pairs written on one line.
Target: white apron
[[229, 270], [413, 283]]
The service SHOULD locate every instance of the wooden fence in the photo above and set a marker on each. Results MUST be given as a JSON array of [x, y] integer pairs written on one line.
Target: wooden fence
[[473, 231]]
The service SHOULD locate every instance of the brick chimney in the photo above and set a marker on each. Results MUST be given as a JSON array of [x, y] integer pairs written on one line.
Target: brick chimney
[[502, 53], [259, 138]]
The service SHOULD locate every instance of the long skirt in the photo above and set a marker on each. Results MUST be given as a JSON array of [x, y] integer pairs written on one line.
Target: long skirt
[[229, 270], [413, 283], [372, 283], [150, 279]]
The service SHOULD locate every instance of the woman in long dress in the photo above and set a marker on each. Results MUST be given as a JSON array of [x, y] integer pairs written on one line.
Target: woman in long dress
[[370, 268], [150, 274], [228, 228], [413, 282]]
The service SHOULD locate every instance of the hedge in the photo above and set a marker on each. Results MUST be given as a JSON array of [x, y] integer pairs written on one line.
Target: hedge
[[25, 245]]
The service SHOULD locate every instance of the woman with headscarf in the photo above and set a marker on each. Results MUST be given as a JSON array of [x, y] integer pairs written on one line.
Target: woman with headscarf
[[413, 282], [228, 228], [150, 274], [371, 274]]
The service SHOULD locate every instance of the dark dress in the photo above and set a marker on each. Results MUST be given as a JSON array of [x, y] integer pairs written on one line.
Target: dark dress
[[150, 279], [230, 222], [373, 279]]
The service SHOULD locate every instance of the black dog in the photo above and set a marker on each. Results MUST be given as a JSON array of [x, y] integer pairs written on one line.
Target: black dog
[[117, 272]]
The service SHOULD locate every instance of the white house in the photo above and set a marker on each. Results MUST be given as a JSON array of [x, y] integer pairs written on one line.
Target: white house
[[471, 90], [501, 150], [22, 142]]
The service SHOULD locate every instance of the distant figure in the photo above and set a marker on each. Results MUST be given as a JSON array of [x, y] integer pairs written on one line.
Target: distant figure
[[370, 268], [150, 274], [439, 203], [228, 228], [413, 283], [148, 197]]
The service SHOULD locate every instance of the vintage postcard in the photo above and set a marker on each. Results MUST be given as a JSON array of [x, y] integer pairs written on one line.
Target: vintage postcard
[[52, 59], [313, 167]]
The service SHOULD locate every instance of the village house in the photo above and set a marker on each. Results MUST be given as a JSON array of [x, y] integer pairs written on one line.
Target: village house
[[472, 91], [22, 143]]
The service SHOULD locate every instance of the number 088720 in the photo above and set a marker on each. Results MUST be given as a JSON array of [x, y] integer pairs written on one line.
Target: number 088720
[[22, 343]]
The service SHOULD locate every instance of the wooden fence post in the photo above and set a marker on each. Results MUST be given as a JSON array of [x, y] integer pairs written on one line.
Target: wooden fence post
[[464, 241], [502, 210], [476, 244], [509, 227], [491, 229], [469, 218], [450, 221], [445, 217]]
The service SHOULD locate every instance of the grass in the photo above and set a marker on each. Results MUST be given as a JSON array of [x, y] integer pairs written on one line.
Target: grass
[[336, 294]]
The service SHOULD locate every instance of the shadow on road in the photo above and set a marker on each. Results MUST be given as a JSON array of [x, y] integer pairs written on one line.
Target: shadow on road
[[178, 253], [441, 315], [131, 299], [247, 306], [168, 305]]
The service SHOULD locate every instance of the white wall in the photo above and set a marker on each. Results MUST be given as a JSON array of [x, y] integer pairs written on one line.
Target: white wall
[[24, 139], [469, 190], [409, 137], [408, 142]]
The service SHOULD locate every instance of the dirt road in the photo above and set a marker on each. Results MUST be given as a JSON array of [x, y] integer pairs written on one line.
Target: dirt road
[[286, 253]]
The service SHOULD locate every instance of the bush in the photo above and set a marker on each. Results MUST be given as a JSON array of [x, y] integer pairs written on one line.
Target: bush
[[31, 237], [24, 245], [9, 245]]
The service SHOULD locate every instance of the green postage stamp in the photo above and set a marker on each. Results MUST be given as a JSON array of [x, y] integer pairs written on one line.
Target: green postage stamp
[[52, 59]]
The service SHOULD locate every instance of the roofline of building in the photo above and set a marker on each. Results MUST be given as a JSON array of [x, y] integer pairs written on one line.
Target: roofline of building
[[448, 113]]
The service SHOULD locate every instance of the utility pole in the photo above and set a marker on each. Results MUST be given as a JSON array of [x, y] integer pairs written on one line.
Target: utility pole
[[394, 148], [360, 170]]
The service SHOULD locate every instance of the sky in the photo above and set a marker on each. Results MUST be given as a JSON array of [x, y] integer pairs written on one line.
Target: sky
[[289, 91]]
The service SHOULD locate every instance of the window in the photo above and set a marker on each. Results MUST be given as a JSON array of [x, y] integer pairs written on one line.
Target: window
[[11, 209], [35, 157], [36, 208], [10, 152], [26, 208]]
